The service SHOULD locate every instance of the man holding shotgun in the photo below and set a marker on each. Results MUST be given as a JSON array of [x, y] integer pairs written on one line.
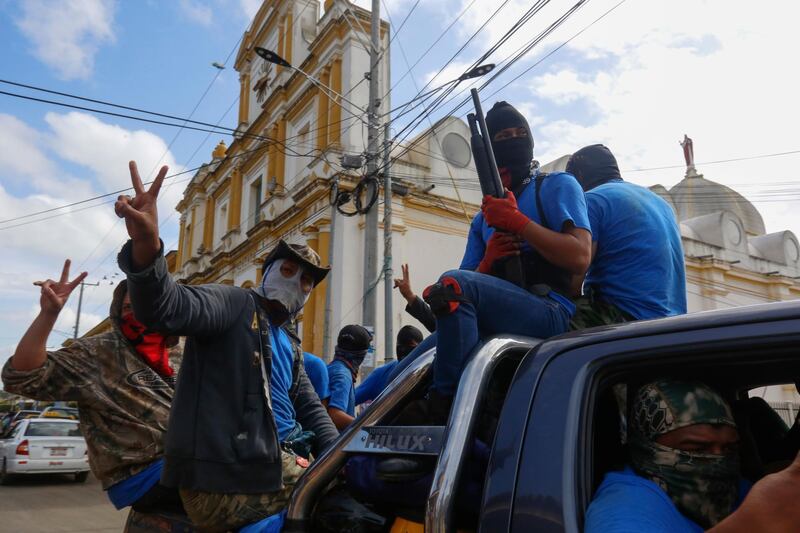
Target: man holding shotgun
[[530, 238]]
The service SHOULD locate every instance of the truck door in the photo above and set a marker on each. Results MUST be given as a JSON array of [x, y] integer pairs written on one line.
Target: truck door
[[558, 450]]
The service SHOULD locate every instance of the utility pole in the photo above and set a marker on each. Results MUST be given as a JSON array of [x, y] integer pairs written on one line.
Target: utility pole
[[369, 307], [80, 304], [326, 334], [388, 352]]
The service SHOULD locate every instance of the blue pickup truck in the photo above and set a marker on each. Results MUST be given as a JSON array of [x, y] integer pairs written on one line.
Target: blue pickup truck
[[550, 415]]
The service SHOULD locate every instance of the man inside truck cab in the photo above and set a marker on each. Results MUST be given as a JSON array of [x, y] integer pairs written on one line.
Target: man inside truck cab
[[683, 473], [637, 270], [542, 223], [244, 411]]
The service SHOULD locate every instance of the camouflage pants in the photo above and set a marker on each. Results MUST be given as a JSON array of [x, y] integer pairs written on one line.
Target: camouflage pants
[[589, 314], [213, 512]]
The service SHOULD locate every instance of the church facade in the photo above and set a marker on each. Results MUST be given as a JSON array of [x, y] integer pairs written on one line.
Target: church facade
[[275, 179]]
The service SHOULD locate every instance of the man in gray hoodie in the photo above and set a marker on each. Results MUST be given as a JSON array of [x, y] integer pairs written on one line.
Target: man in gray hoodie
[[245, 415]]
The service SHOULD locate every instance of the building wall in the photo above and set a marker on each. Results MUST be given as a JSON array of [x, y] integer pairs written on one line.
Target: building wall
[[229, 222]]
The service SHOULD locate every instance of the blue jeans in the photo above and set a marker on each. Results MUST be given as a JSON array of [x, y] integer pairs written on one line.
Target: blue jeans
[[493, 306]]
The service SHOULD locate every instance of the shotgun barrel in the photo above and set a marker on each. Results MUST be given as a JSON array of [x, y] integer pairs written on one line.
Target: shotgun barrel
[[508, 268]]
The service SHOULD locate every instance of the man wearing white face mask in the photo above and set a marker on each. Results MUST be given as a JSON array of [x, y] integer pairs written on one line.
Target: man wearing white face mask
[[245, 415]]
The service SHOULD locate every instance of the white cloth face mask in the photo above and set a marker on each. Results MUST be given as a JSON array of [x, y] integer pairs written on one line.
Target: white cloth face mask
[[287, 291]]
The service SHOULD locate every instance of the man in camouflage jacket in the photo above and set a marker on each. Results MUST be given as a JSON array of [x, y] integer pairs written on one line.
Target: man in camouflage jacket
[[123, 401]]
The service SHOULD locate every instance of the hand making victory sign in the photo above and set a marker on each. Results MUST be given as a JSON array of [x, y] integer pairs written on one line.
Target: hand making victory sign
[[141, 216], [31, 351], [56, 293]]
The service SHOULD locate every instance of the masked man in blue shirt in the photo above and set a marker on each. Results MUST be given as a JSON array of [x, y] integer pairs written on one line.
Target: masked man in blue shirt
[[543, 221], [351, 348], [637, 269]]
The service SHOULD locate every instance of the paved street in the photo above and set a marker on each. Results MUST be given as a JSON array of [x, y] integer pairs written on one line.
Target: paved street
[[42, 504]]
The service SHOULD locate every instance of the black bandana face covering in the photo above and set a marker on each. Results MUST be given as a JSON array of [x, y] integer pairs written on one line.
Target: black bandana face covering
[[514, 154]]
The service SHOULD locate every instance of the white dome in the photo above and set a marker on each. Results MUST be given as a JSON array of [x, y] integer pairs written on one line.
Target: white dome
[[696, 196]]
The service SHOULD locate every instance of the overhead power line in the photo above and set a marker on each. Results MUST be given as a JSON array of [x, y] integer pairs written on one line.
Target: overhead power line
[[227, 131], [732, 160], [106, 195], [428, 112], [117, 106]]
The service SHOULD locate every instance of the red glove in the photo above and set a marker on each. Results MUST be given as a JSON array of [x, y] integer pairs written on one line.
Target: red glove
[[503, 213], [500, 245]]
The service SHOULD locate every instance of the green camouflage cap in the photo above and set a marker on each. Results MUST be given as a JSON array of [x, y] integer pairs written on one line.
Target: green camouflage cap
[[666, 405], [703, 486]]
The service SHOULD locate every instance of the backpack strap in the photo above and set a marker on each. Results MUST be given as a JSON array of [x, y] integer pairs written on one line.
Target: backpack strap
[[539, 182], [299, 359]]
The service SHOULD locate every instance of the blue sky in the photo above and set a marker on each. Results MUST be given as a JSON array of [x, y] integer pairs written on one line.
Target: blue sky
[[638, 80]]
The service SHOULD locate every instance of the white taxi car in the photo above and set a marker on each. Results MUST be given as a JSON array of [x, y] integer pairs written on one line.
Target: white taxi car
[[44, 446]]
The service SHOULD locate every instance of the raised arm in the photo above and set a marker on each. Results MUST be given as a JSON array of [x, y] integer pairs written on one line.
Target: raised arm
[[64, 374], [157, 300], [770, 506], [31, 352], [417, 307]]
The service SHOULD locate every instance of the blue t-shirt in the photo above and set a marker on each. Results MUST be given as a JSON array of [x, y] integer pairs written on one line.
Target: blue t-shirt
[[371, 387], [271, 524], [128, 491], [341, 385], [563, 201], [317, 373], [638, 265], [281, 380], [628, 503]]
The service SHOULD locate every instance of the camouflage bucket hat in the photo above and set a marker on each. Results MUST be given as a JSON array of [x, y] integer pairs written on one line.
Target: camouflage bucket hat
[[303, 255]]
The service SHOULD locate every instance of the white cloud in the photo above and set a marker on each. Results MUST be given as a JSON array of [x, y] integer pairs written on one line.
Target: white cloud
[[36, 251], [118, 144], [106, 149], [66, 35], [668, 70], [719, 70], [100, 153], [21, 155], [197, 12]]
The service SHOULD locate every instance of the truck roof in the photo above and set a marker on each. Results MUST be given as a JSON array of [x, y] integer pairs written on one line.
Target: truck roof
[[735, 316]]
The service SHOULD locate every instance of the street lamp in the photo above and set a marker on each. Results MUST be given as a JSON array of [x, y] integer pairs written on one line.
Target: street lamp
[[477, 72], [271, 57]]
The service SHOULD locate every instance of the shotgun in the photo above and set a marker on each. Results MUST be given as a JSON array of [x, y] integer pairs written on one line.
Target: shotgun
[[509, 268]]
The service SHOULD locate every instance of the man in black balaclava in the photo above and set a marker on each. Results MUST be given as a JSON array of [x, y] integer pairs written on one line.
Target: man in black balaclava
[[553, 245], [637, 269], [512, 143], [408, 338]]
